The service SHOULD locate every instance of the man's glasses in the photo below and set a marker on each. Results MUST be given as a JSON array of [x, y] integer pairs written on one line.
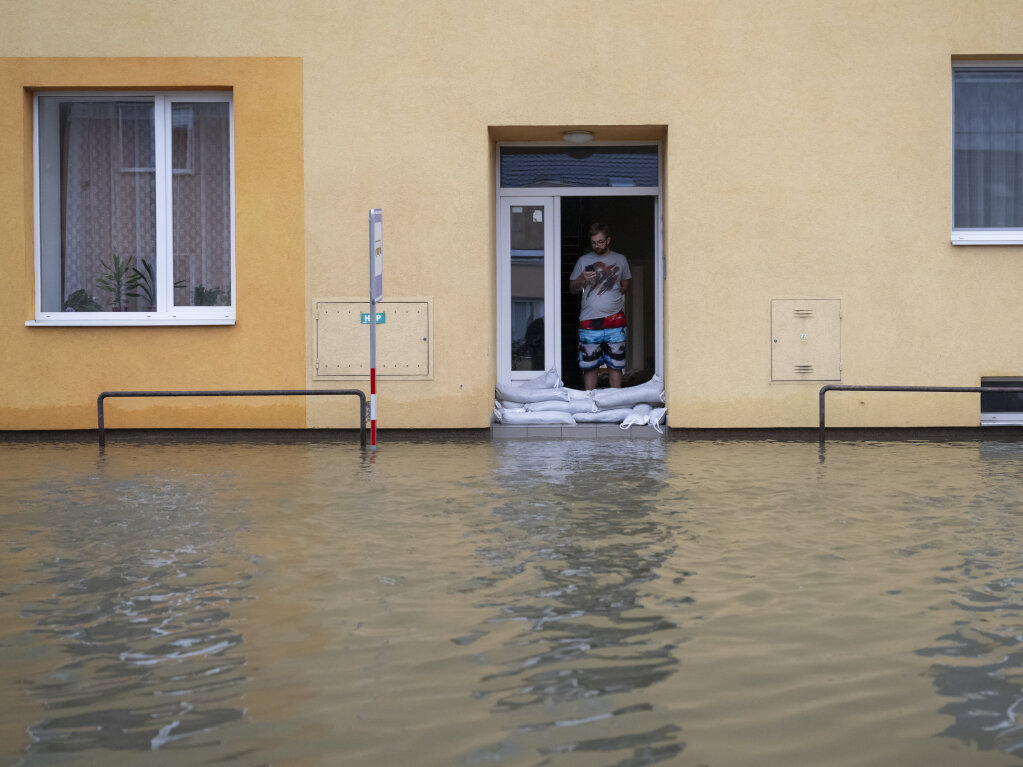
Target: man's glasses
[[598, 243]]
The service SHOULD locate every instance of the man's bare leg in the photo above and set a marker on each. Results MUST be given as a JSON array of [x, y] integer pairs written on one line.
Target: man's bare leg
[[590, 379], [614, 378]]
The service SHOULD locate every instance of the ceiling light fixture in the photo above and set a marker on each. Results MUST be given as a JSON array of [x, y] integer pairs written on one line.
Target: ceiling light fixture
[[577, 136]]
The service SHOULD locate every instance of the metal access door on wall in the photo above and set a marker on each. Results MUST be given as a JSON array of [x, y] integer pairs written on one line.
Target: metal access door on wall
[[529, 341]]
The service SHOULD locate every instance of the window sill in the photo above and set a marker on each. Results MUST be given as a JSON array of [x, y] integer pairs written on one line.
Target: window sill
[[57, 320], [988, 237]]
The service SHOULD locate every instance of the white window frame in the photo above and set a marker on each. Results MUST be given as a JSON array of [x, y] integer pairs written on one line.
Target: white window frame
[[166, 313], [987, 236]]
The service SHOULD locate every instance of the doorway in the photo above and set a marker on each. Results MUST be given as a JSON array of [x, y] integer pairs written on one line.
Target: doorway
[[631, 222], [548, 196]]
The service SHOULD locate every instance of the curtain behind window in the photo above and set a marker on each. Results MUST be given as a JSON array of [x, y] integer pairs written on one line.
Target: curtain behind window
[[988, 149], [108, 197], [201, 161], [108, 190]]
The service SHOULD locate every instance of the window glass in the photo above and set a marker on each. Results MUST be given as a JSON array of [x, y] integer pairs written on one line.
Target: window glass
[[988, 149], [596, 166], [135, 193], [527, 287], [100, 217], [201, 160]]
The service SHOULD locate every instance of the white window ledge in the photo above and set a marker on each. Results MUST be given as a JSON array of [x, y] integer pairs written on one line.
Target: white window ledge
[[987, 237], [143, 322]]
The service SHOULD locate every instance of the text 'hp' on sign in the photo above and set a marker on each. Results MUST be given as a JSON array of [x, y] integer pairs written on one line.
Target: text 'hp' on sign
[[381, 318]]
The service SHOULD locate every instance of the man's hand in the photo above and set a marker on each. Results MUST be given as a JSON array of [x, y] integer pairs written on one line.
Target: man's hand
[[584, 280]]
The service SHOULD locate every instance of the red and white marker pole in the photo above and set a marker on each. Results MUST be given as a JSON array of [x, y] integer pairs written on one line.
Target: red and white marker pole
[[373, 405], [376, 293]]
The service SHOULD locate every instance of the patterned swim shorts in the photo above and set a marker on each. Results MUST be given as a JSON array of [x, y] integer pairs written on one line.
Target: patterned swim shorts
[[602, 346]]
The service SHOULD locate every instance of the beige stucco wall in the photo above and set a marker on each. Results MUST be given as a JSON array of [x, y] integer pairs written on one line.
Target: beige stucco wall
[[807, 155]]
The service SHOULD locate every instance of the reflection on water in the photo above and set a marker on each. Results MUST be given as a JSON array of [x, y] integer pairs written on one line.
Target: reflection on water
[[981, 658], [586, 547], [561, 604], [982, 671]]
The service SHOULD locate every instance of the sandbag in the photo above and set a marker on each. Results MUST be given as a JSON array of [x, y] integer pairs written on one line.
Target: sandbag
[[650, 392], [524, 418], [656, 416], [577, 394], [572, 406], [604, 416], [640, 416], [521, 394], [549, 380]]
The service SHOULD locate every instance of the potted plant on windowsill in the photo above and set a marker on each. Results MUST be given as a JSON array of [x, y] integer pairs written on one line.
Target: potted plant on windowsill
[[118, 280], [217, 296], [81, 301], [145, 284]]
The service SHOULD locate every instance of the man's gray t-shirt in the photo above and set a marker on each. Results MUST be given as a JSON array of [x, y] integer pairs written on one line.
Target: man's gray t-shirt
[[604, 297]]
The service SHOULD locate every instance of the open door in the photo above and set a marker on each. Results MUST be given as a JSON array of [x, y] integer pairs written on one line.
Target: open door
[[633, 223]]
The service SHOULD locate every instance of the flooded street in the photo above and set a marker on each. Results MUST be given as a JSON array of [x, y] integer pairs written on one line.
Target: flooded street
[[464, 602]]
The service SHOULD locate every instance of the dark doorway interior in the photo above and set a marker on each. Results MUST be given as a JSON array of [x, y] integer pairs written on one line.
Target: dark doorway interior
[[632, 224]]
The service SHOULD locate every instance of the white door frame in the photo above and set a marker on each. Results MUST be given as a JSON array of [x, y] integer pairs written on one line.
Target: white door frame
[[508, 196], [552, 285]]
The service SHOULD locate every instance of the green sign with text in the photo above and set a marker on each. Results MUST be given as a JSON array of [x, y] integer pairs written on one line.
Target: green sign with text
[[381, 318]]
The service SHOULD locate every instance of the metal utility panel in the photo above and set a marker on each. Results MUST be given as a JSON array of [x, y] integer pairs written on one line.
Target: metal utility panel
[[998, 409], [806, 339], [342, 338]]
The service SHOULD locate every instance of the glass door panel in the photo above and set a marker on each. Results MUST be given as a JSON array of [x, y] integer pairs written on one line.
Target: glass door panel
[[527, 287], [526, 231]]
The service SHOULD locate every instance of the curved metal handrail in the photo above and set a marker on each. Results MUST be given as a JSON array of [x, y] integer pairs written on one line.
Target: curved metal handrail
[[236, 393], [941, 389]]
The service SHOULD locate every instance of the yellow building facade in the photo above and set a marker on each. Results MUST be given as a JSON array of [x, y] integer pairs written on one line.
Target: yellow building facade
[[807, 220]]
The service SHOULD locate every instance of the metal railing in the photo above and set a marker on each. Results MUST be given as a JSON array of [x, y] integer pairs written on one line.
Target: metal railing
[[236, 393], [940, 389]]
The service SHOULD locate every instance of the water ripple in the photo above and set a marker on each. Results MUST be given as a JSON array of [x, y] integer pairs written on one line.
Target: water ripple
[[142, 621]]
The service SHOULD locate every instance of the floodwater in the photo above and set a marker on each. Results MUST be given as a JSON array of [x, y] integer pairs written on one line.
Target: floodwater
[[464, 602]]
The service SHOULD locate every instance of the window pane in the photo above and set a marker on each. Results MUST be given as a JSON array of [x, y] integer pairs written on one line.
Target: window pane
[[201, 162], [555, 166], [527, 287], [132, 187], [988, 149], [98, 182]]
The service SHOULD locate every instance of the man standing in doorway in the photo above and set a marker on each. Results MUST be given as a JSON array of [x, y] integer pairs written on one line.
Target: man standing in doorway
[[602, 276]]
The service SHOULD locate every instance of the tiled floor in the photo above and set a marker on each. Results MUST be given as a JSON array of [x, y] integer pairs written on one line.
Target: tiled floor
[[580, 431]]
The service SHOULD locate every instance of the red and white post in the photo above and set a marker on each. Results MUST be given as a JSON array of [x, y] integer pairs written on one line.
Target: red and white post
[[376, 293], [373, 405]]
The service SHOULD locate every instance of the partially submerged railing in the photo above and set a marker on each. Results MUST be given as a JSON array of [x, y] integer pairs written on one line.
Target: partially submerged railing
[[941, 389], [238, 393]]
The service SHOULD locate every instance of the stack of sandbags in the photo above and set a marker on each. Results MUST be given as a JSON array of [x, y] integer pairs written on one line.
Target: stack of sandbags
[[543, 392], [545, 400]]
